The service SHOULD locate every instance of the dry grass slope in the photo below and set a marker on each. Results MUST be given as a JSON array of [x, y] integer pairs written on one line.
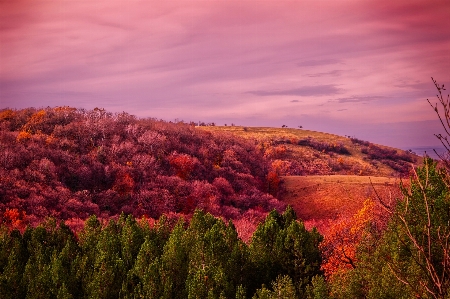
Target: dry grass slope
[[321, 200], [307, 160]]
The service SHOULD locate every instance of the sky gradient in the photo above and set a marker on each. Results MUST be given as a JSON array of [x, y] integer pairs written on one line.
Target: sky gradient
[[351, 67]]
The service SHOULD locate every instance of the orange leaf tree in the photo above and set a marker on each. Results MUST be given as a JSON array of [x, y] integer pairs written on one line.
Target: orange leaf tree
[[124, 184], [183, 164], [14, 219], [340, 244]]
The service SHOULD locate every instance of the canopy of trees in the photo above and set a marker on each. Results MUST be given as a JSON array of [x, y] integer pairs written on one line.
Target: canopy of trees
[[69, 164], [128, 259]]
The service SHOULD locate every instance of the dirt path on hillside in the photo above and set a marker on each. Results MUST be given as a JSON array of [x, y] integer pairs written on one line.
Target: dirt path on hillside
[[320, 200]]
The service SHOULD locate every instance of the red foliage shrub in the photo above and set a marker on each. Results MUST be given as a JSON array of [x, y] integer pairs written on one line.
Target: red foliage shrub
[[124, 184], [14, 219], [273, 182], [183, 164]]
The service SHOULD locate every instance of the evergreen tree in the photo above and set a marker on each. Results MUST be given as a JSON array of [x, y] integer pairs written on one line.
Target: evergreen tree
[[318, 289], [143, 281], [416, 247], [282, 288], [411, 259], [108, 267], [209, 273], [88, 239], [63, 271], [15, 255], [174, 264], [37, 275], [131, 239], [283, 246]]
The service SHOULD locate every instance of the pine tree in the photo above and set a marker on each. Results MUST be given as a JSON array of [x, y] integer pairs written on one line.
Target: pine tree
[[88, 239], [174, 264], [109, 269], [14, 258], [283, 246], [282, 288], [144, 280]]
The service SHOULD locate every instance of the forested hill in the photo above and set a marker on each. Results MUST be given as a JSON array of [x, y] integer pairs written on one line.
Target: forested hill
[[70, 163], [304, 152]]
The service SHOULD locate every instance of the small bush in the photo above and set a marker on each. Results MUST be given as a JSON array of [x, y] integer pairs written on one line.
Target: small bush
[[359, 141]]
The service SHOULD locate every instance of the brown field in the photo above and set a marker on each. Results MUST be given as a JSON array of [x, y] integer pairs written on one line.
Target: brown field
[[321, 200]]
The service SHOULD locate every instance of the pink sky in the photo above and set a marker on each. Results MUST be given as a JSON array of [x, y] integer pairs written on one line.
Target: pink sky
[[349, 67]]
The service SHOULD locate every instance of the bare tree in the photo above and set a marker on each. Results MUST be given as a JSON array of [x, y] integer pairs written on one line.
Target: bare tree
[[444, 118], [422, 221]]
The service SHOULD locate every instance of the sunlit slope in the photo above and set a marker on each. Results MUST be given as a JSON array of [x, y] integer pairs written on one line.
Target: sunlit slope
[[318, 153], [320, 200]]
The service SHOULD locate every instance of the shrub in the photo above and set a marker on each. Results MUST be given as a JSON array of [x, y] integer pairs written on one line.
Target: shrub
[[325, 147], [359, 141]]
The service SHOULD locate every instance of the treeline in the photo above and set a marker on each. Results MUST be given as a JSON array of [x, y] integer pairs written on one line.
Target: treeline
[[71, 163], [124, 258], [325, 147]]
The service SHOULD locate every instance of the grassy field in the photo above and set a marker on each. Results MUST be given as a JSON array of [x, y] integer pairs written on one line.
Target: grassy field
[[320, 200]]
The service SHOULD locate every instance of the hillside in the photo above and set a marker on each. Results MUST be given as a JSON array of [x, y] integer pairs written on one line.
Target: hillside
[[100, 172], [322, 200], [306, 152], [71, 163], [327, 177]]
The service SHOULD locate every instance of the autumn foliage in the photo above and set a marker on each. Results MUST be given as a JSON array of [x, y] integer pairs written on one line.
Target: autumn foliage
[[14, 219], [183, 164], [341, 241], [71, 163]]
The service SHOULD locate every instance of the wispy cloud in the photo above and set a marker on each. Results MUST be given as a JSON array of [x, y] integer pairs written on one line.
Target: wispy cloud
[[185, 59], [318, 62], [333, 73], [358, 99], [305, 91]]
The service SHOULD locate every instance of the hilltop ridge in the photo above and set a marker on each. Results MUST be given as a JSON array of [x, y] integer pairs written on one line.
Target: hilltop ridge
[[309, 152]]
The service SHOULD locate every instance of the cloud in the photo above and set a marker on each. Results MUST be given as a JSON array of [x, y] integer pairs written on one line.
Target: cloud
[[334, 73], [305, 91], [295, 101], [318, 62], [114, 25], [358, 99]]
